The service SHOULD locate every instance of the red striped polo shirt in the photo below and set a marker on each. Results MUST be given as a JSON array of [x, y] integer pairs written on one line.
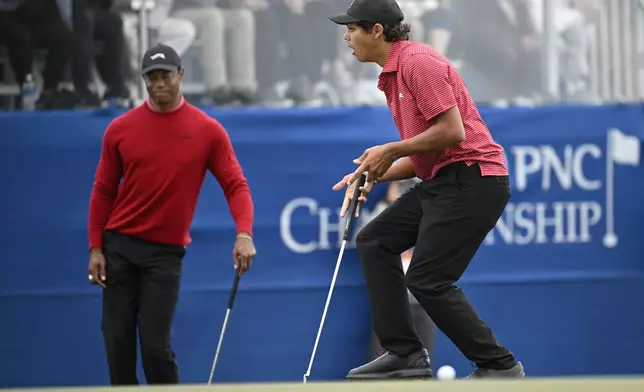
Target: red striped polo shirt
[[419, 85]]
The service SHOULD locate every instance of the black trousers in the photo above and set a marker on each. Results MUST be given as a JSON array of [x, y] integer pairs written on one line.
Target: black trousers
[[143, 280], [424, 326], [105, 28], [445, 219]]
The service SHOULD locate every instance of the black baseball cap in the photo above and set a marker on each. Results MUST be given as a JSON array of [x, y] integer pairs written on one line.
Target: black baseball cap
[[160, 56], [385, 12]]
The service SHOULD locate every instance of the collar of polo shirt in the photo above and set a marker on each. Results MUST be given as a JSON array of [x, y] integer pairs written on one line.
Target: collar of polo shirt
[[392, 63]]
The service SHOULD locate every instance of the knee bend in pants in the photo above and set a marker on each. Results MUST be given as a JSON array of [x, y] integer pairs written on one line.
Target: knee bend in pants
[[154, 351], [370, 240], [426, 285]]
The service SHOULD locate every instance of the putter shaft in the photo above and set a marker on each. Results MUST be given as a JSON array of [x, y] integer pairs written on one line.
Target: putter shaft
[[326, 308], [221, 339], [231, 302], [345, 238]]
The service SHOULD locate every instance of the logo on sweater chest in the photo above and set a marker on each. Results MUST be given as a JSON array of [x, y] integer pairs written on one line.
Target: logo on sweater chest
[[179, 149]]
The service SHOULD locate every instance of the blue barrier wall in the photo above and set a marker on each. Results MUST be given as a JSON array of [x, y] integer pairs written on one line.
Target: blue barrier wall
[[561, 278]]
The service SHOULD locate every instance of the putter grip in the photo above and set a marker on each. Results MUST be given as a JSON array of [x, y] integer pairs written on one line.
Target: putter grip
[[233, 291], [354, 205]]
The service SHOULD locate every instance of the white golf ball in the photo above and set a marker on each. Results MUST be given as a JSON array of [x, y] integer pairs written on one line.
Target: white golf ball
[[446, 372]]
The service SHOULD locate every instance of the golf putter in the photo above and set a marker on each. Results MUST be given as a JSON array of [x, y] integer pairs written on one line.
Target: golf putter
[[345, 238], [231, 301]]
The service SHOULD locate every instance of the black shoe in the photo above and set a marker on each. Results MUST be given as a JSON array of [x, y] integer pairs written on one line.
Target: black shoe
[[517, 371], [389, 365]]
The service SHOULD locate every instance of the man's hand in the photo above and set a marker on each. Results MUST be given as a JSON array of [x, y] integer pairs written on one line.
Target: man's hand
[[243, 253], [348, 195], [96, 268], [375, 161]]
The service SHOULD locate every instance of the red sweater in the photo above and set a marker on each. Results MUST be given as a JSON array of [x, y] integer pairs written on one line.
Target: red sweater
[[162, 159]]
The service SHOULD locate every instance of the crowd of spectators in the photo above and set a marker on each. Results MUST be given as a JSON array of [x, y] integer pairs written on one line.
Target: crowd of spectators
[[86, 53]]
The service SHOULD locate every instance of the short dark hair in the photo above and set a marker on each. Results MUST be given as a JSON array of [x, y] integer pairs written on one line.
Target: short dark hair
[[399, 32]]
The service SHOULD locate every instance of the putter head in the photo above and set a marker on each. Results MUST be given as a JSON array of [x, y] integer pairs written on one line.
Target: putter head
[[306, 376]]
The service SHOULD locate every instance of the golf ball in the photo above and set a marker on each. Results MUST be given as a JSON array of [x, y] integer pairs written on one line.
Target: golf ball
[[446, 373]]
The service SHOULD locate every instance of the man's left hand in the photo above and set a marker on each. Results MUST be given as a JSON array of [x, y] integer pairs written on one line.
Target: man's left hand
[[243, 254], [375, 161]]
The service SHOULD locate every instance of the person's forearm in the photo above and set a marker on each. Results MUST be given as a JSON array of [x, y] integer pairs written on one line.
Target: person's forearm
[[228, 172], [402, 169], [100, 206], [105, 189], [241, 207], [237, 194]]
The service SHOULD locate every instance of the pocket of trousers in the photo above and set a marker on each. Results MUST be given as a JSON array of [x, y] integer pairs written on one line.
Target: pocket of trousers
[[465, 178], [503, 181], [504, 184]]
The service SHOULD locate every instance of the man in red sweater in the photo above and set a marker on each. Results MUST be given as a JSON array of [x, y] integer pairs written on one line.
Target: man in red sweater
[[153, 163]]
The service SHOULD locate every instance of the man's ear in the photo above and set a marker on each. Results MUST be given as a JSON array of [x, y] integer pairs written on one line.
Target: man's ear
[[378, 30]]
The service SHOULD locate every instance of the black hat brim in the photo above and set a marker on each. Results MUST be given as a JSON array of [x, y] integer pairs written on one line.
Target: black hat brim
[[343, 19], [163, 67]]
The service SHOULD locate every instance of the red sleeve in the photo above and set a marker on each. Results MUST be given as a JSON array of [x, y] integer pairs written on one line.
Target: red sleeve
[[226, 169], [106, 183], [429, 81]]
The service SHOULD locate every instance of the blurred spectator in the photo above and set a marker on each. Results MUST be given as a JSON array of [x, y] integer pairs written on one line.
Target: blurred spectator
[[424, 18], [29, 24], [95, 22], [178, 33], [266, 44], [436, 21], [574, 22], [294, 46], [500, 48], [226, 31], [307, 44]]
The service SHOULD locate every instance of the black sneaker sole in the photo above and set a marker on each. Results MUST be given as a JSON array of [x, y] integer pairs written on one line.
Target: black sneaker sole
[[418, 374]]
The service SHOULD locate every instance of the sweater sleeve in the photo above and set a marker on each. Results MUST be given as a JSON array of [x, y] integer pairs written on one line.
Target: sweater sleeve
[[226, 169], [105, 188]]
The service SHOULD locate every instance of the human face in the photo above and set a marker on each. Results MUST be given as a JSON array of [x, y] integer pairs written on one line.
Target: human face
[[365, 45], [163, 86]]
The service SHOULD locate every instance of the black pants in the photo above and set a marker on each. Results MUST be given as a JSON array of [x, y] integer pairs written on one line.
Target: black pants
[[37, 24], [424, 326], [105, 28], [142, 290], [446, 219]]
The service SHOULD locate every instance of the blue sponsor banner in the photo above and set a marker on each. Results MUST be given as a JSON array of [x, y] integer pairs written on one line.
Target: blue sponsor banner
[[560, 279]]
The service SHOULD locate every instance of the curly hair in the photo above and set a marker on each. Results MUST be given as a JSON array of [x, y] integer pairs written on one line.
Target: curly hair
[[399, 32]]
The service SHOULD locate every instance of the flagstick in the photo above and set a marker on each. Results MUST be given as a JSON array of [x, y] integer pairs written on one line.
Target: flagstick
[[610, 239]]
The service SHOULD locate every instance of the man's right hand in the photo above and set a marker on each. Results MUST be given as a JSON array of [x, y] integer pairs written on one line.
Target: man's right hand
[[348, 195], [96, 268]]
